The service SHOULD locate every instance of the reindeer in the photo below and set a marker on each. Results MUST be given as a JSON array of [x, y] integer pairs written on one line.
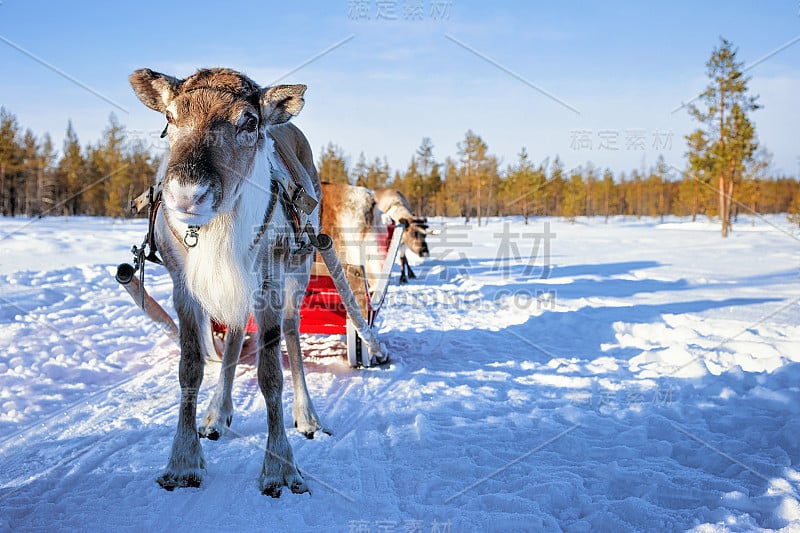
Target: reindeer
[[351, 217], [230, 235], [394, 204]]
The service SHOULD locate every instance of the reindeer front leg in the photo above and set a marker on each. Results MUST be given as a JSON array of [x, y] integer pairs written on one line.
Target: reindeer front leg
[[279, 469], [186, 464]]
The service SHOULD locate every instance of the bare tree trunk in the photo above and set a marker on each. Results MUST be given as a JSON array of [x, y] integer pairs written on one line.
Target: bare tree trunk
[[638, 200], [40, 192], [3, 188], [479, 201], [723, 214], [729, 202], [525, 204]]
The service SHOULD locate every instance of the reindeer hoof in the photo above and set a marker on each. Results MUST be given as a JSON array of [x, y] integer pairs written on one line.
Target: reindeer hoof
[[272, 485], [309, 433], [275, 490], [272, 490], [211, 432], [170, 481], [403, 280], [299, 488]]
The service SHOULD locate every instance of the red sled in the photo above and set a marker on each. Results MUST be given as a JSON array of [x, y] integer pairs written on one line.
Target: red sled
[[322, 311]]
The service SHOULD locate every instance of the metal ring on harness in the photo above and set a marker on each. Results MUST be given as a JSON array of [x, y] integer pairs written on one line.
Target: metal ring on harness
[[191, 238]]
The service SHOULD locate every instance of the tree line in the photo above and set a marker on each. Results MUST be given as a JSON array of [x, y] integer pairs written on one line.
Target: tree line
[[475, 185], [100, 179], [97, 179], [728, 174]]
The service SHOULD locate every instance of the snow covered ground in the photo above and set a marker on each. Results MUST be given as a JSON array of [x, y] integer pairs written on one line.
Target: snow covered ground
[[555, 376]]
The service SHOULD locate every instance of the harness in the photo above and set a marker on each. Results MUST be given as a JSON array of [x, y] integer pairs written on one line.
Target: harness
[[298, 205]]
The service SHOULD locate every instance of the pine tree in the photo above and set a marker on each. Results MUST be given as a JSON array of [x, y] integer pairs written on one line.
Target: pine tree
[[433, 187], [794, 209], [332, 165], [555, 189], [48, 194], [749, 195], [360, 171], [377, 174], [607, 191], [695, 191], [574, 196], [28, 179], [728, 135], [70, 169], [478, 169], [423, 188], [450, 201], [111, 170], [522, 185], [11, 156]]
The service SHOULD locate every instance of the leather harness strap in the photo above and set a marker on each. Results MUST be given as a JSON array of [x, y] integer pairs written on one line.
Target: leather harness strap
[[268, 214], [295, 199], [171, 227]]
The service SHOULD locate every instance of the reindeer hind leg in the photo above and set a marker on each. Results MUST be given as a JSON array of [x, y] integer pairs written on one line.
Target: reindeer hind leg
[[305, 416], [279, 469], [219, 414]]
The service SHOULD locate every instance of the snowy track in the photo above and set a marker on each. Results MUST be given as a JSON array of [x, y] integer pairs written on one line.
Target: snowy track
[[650, 380]]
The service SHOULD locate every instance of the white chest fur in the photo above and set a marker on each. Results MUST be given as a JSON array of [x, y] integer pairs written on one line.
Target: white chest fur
[[220, 271]]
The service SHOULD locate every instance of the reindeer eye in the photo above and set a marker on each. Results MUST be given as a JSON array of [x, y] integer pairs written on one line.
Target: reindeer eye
[[250, 124], [170, 118]]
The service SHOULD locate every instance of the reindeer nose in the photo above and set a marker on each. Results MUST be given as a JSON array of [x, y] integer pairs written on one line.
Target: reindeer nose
[[183, 197], [188, 198]]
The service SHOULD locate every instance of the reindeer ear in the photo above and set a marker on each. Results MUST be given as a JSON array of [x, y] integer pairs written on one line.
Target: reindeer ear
[[405, 222], [281, 102], [154, 89]]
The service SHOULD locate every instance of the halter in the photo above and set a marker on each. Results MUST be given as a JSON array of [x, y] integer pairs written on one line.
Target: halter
[[297, 203]]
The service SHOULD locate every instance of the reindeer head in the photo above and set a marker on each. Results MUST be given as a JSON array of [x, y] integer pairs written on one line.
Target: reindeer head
[[414, 236], [216, 120]]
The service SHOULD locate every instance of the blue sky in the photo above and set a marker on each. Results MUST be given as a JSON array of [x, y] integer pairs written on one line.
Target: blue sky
[[574, 79]]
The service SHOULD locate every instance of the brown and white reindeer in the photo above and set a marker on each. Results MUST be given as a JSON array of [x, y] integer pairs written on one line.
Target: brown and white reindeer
[[394, 204], [351, 217], [229, 237]]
